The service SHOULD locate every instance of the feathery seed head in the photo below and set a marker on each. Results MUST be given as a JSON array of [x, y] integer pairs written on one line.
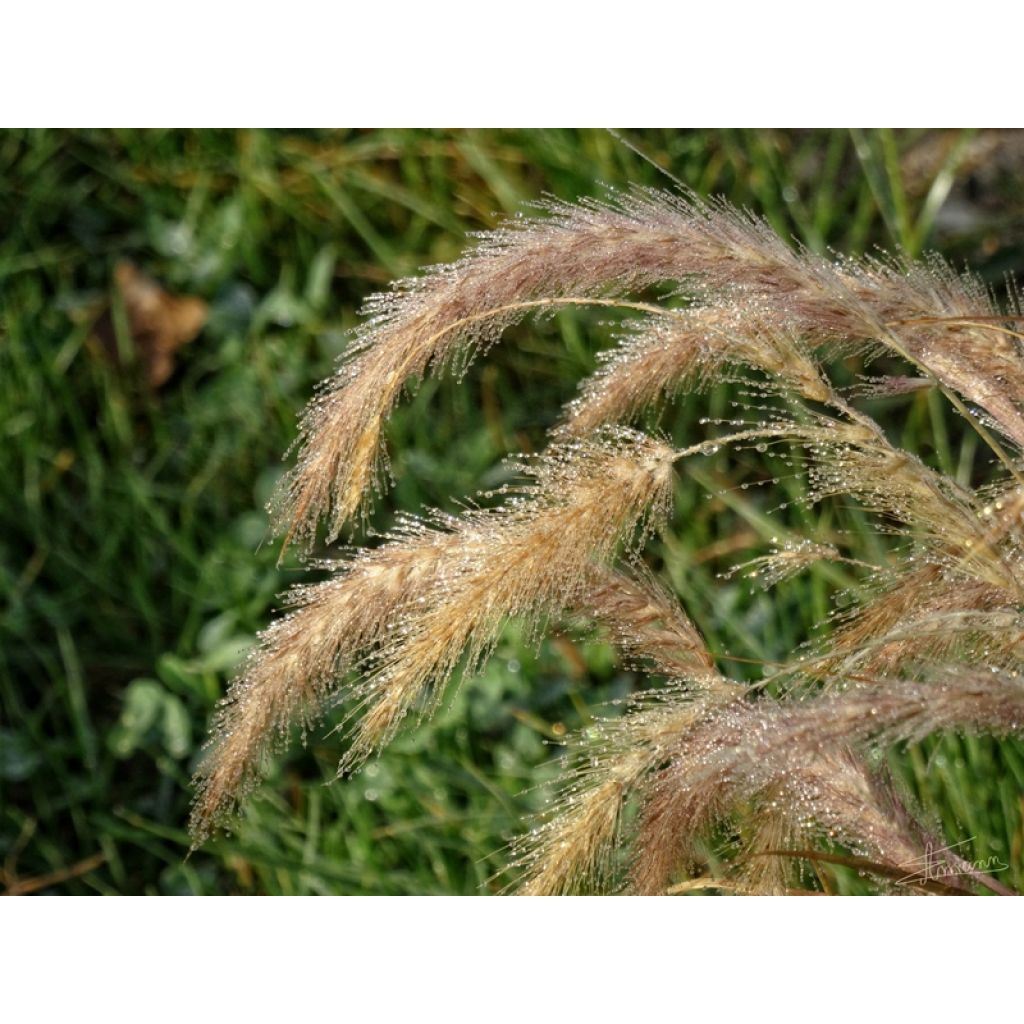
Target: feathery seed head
[[933, 643]]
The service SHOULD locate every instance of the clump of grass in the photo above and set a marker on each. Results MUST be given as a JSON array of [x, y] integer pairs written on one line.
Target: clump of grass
[[783, 768]]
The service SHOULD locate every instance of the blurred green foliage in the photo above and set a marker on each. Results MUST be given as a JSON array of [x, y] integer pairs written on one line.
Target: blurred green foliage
[[135, 568]]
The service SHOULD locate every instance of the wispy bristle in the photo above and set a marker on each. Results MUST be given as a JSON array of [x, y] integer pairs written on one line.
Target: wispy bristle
[[685, 349], [531, 558], [647, 624], [406, 612], [934, 317]]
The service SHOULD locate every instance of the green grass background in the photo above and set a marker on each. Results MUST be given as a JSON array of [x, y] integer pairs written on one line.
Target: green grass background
[[135, 566]]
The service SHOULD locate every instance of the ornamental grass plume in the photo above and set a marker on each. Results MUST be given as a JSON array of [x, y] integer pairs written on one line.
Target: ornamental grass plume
[[438, 590], [792, 768]]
